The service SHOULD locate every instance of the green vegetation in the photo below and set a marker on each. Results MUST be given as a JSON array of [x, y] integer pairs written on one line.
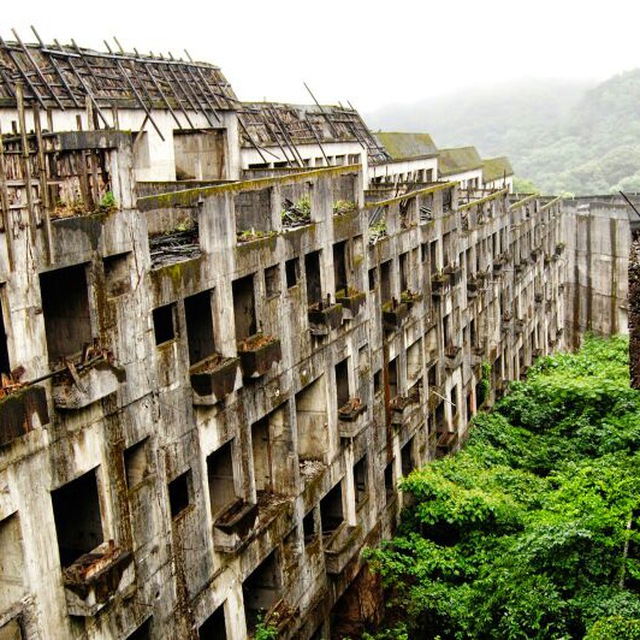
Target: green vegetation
[[298, 213], [341, 207], [530, 532], [521, 185], [108, 203], [377, 231], [265, 630]]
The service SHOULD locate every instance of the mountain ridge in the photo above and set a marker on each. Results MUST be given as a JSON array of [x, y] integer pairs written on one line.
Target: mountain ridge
[[567, 136]]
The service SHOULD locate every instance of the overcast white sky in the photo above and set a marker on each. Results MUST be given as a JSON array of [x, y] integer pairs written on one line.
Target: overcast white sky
[[351, 50]]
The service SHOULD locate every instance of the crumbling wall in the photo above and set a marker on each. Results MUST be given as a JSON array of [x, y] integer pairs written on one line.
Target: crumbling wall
[[405, 324], [634, 311], [596, 262]]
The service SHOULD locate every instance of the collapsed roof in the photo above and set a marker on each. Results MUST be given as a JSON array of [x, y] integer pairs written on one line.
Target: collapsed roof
[[267, 124], [66, 76]]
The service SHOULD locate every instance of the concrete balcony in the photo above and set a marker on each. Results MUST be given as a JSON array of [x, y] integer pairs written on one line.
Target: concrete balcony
[[446, 443], [439, 285], [341, 547], [473, 288], [323, 318], [507, 322], [394, 314], [452, 357], [257, 355], [402, 407], [454, 272], [213, 379], [352, 418], [96, 577], [233, 527], [351, 301], [80, 386], [478, 355]]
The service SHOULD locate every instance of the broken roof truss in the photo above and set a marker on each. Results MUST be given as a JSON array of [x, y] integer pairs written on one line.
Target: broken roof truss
[[69, 77], [286, 126]]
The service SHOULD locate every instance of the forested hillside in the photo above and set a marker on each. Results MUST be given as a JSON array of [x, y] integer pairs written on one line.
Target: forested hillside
[[564, 136], [532, 531]]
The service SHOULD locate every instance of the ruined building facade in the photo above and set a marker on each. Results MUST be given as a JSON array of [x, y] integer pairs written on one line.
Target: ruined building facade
[[211, 390]]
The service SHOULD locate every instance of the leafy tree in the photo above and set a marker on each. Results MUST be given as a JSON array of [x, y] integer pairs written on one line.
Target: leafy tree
[[532, 530]]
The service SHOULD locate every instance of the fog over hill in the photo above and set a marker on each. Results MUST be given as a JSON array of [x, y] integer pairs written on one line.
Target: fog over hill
[[566, 136]]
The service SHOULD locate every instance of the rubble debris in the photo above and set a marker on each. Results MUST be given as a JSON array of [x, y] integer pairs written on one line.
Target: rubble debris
[[174, 246]]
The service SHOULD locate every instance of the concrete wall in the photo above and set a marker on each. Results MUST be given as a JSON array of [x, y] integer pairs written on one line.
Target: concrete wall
[[467, 179], [154, 156], [596, 260], [409, 170], [145, 428], [500, 183], [313, 156]]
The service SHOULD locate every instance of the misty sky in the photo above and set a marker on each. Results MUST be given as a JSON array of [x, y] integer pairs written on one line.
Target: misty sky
[[354, 51]]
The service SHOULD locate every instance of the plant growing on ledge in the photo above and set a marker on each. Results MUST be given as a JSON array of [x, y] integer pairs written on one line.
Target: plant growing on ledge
[[265, 630], [256, 341], [324, 316], [439, 278], [296, 214], [247, 235], [410, 297], [107, 203], [394, 314], [351, 300], [340, 207], [377, 231], [485, 383]]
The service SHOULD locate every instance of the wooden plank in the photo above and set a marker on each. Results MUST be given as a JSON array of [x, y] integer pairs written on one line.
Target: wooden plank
[[45, 196], [205, 85], [296, 155], [322, 111], [4, 191], [84, 85], [93, 182], [6, 215], [180, 84], [255, 146], [37, 69], [26, 162], [275, 137], [163, 71], [186, 85], [315, 135], [24, 74], [125, 75], [162, 94]]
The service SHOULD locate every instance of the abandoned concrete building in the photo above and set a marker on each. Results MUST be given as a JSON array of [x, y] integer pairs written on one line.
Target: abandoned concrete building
[[223, 343]]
